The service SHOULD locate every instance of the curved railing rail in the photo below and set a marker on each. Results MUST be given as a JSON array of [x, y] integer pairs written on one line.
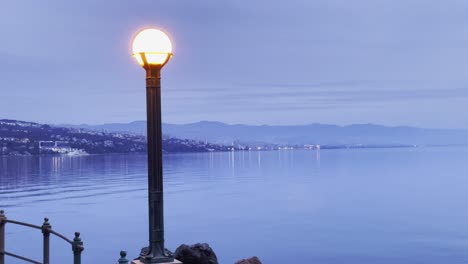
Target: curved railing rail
[[46, 229]]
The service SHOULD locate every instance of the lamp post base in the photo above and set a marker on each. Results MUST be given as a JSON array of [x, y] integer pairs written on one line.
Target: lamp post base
[[137, 261], [147, 258]]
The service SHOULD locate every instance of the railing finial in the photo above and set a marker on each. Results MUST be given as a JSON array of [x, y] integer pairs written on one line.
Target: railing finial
[[46, 227], [123, 257], [2, 217]]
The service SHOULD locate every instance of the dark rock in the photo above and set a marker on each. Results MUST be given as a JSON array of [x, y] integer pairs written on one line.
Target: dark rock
[[252, 260], [196, 254]]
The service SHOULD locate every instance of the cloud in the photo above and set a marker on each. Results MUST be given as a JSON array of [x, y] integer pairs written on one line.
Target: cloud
[[330, 94]]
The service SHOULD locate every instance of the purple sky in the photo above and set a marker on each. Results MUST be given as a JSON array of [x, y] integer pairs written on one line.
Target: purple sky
[[396, 62]]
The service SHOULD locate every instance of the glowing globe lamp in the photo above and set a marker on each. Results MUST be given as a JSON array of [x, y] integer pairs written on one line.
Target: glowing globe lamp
[[152, 47]]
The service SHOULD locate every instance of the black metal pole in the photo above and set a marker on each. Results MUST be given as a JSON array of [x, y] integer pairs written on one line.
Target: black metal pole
[[46, 241], [2, 237], [156, 252], [77, 248]]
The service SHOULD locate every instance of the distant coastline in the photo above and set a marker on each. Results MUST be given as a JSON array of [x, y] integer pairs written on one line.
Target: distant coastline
[[20, 138]]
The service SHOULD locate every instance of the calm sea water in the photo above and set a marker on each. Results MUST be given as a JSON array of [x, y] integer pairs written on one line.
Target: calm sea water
[[346, 206]]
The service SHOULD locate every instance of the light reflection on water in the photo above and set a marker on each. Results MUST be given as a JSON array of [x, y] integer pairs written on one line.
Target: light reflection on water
[[342, 206]]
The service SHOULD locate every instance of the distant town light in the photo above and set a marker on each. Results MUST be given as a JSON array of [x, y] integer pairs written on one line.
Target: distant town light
[[152, 47]]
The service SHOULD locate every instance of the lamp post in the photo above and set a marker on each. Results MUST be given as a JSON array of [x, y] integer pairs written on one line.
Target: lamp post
[[152, 49]]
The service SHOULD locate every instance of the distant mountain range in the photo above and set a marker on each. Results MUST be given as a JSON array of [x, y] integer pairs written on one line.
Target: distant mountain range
[[28, 138], [366, 134]]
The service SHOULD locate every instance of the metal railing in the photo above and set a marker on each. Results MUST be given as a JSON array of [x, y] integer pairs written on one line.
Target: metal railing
[[46, 228]]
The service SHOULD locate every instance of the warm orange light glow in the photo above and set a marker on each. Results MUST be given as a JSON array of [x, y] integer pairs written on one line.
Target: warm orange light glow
[[153, 44]]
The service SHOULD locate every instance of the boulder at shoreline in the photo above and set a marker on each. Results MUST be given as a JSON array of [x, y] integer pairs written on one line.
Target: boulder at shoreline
[[200, 253], [252, 260]]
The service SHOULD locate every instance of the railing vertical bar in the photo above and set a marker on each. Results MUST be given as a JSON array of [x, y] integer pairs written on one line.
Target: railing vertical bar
[[46, 227], [2, 236], [77, 248]]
